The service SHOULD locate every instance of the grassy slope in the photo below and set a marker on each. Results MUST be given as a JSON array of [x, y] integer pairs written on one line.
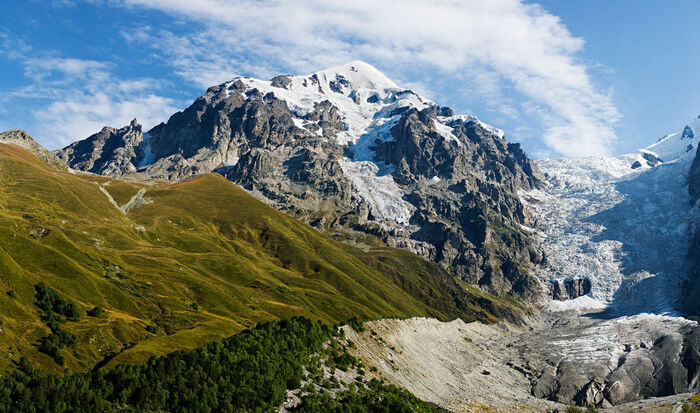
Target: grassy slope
[[206, 241]]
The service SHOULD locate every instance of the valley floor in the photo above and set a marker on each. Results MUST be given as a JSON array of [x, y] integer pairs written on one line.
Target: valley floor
[[466, 367]]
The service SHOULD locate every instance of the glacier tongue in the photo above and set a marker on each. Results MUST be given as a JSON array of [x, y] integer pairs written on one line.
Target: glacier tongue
[[380, 192]]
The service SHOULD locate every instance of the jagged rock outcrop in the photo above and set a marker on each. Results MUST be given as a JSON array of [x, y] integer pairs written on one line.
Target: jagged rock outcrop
[[111, 151], [475, 175], [652, 160], [569, 289], [22, 138], [694, 178], [688, 133], [350, 152]]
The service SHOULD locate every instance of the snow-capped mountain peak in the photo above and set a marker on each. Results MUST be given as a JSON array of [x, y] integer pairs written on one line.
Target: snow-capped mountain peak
[[356, 75], [674, 145], [365, 98], [368, 102]]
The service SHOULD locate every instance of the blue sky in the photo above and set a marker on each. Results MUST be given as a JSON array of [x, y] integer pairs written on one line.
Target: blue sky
[[571, 78]]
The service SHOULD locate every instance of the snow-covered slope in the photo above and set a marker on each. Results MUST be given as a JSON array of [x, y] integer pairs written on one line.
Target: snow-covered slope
[[675, 145], [624, 228]]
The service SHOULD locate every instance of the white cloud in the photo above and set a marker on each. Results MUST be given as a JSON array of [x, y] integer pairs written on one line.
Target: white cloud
[[81, 115], [44, 68], [489, 45], [76, 98]]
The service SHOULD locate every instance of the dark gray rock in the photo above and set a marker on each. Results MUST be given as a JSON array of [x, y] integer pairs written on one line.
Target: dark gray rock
[[688, 133], [636, 165], [568, 289], [558, 290], [694, 178], [652, 160], [282, 81], [546, 385], [592, 393], [692, 297], [111, 151], [578, 287], [691, 356], [561, 384], [328, 118]]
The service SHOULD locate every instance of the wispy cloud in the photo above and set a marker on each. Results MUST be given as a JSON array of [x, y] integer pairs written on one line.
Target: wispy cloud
[[488, 45], [82, 114], [75, 97]]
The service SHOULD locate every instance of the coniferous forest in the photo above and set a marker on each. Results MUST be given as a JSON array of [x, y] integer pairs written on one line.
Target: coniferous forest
[[250, 371]]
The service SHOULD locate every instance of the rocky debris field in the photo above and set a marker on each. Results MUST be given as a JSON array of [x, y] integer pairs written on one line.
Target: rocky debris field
[[557, 360]]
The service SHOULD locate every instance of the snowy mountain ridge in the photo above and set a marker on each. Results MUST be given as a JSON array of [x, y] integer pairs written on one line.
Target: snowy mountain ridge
[[623, 222], [675, 145], [348, 151], [370, 104], [366, 98]]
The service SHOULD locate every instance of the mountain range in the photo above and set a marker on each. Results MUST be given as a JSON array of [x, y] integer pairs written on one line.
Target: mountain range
[[352, 154], [342, 197]]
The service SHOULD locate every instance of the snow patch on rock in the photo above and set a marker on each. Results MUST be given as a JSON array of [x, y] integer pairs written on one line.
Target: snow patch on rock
[[148, 156], [380, 192], [446, 132]]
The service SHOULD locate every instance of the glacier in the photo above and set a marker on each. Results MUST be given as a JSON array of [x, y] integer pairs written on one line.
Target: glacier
[[626, 229]]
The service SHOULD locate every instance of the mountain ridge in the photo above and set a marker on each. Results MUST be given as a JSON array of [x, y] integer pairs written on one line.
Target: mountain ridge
[[349, 152], [195, 261]]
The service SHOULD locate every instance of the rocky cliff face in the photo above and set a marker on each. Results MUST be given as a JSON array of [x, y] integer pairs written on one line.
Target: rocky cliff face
[[348, 151], [22, 138], [111, 151], [694, 178], [569, 289]]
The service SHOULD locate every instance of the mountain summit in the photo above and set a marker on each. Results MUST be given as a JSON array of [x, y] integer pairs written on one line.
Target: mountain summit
[[351, 153], [358, 74]]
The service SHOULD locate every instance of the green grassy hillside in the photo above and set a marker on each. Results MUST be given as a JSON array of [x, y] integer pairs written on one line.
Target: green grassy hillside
[[187, 264]]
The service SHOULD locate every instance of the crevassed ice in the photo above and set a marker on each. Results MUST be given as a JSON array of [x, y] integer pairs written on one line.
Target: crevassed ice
[[625, 229]]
